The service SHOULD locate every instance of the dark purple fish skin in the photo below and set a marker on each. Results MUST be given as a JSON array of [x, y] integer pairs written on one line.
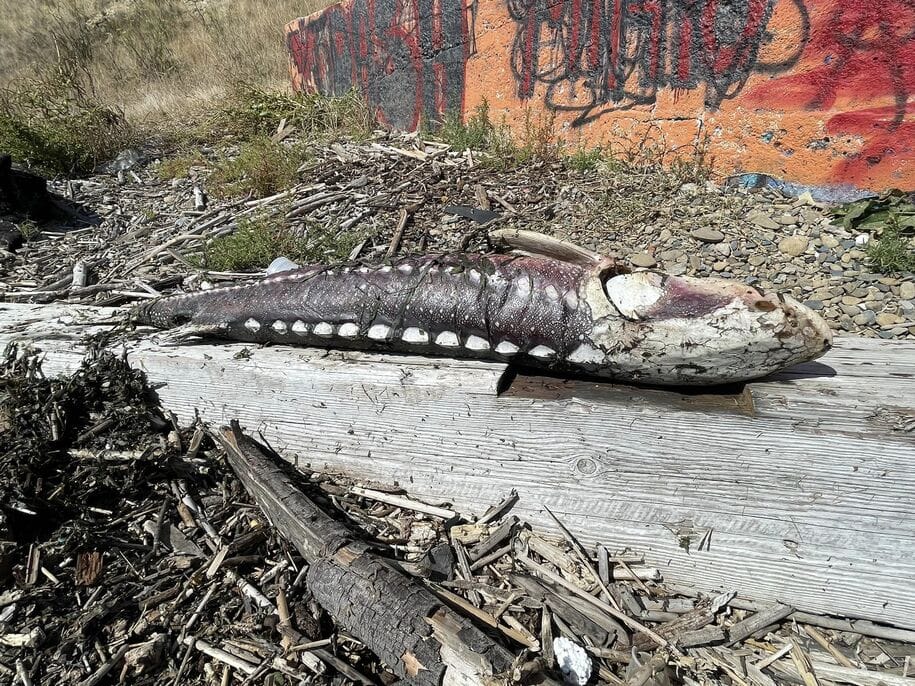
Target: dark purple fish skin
[[519, 301]]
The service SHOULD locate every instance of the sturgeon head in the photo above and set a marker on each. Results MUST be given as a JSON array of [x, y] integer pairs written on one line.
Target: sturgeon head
[[680, 330]]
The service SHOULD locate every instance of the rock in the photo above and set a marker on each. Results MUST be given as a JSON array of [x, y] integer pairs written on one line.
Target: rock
[[793, 246], [126, 159], [786, 219], [907, 307], [829, 241], [25, 194], [720, 266], [865, 318], [671, 255], [888, 319], [814, 304], [907, 290], [757, 260], [850, 300], [764, 220], [862, 239], [723, 249], [10, 237], [707, 235], [643, 259]]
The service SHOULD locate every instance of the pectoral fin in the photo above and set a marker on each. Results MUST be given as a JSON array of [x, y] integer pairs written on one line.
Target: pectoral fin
[[533, 243]]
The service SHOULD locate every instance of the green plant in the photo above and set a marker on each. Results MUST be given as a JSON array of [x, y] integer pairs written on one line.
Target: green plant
[[29, 230], [890, 218], [258, 241], [59, 127], [253, 111], [538, 140], [262, 167], [584, 159], [179, 165], [474, 134], [892, 251], [875, 214]]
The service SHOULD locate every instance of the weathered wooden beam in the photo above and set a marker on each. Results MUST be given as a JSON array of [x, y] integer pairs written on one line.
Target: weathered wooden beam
[[392, 614], [792, 490]]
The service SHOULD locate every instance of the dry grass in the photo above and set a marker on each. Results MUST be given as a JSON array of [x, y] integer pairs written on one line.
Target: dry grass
[[153, 59]]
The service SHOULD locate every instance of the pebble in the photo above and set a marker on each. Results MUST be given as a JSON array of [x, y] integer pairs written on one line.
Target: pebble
[[888, 319], [764, 220], [830, 242], [643, 259], [707, 235], [907, 290], [793, 245], [865, 318], [814, 304]]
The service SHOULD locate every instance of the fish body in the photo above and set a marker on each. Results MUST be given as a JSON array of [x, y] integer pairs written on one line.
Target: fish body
[[551, 305]]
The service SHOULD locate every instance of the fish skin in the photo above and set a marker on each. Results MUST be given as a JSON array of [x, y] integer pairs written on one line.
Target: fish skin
[[644, 326]]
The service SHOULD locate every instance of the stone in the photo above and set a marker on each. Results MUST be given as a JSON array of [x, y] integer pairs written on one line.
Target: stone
[[850, 300], [695, 262], [907, 307], [643, 259], [723, 249], [814, 304], [763, 220], [829, 241], [10, 237], [757, 260], [671, 255], [786, 219], [793, 246], [907, 290], [888, 319], [865, 318], [720, 266], [707, 235]]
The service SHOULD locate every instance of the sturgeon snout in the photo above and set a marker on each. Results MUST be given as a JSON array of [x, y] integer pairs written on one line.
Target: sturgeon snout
[[689, 330]]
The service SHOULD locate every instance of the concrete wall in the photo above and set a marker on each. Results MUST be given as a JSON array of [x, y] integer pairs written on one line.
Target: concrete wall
[[815, 91]]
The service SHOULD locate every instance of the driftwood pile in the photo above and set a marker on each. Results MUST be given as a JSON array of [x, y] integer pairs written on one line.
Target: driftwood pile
[[133, 550]]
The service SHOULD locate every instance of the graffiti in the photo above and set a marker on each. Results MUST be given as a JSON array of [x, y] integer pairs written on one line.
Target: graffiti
[[406, 56], [860, 52], [594, 55]]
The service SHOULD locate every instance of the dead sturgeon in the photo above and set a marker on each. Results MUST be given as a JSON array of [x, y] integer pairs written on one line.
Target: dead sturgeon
[[551, 305]]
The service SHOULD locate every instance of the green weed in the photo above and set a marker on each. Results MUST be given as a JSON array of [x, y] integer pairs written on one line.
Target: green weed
[[252, 111], [892, 251], [58, 127], [259, 241], [180, 165], [262, 167], [584, 159]]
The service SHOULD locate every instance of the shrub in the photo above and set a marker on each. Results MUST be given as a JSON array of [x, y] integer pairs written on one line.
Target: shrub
[[59, 128]]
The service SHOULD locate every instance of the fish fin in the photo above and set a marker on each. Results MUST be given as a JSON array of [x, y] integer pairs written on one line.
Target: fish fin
[[179, 334], [533, 243]]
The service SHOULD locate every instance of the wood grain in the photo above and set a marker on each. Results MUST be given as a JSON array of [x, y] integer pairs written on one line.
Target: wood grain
[[798, 486]]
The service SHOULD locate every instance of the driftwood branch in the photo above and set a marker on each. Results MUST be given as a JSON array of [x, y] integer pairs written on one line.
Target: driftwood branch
[[398, 619]]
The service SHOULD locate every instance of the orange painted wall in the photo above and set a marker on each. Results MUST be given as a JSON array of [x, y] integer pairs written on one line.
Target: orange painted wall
[[814, 91]]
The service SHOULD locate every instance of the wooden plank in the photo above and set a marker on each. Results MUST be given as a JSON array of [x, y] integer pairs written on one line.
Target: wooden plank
[[798, 487]]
